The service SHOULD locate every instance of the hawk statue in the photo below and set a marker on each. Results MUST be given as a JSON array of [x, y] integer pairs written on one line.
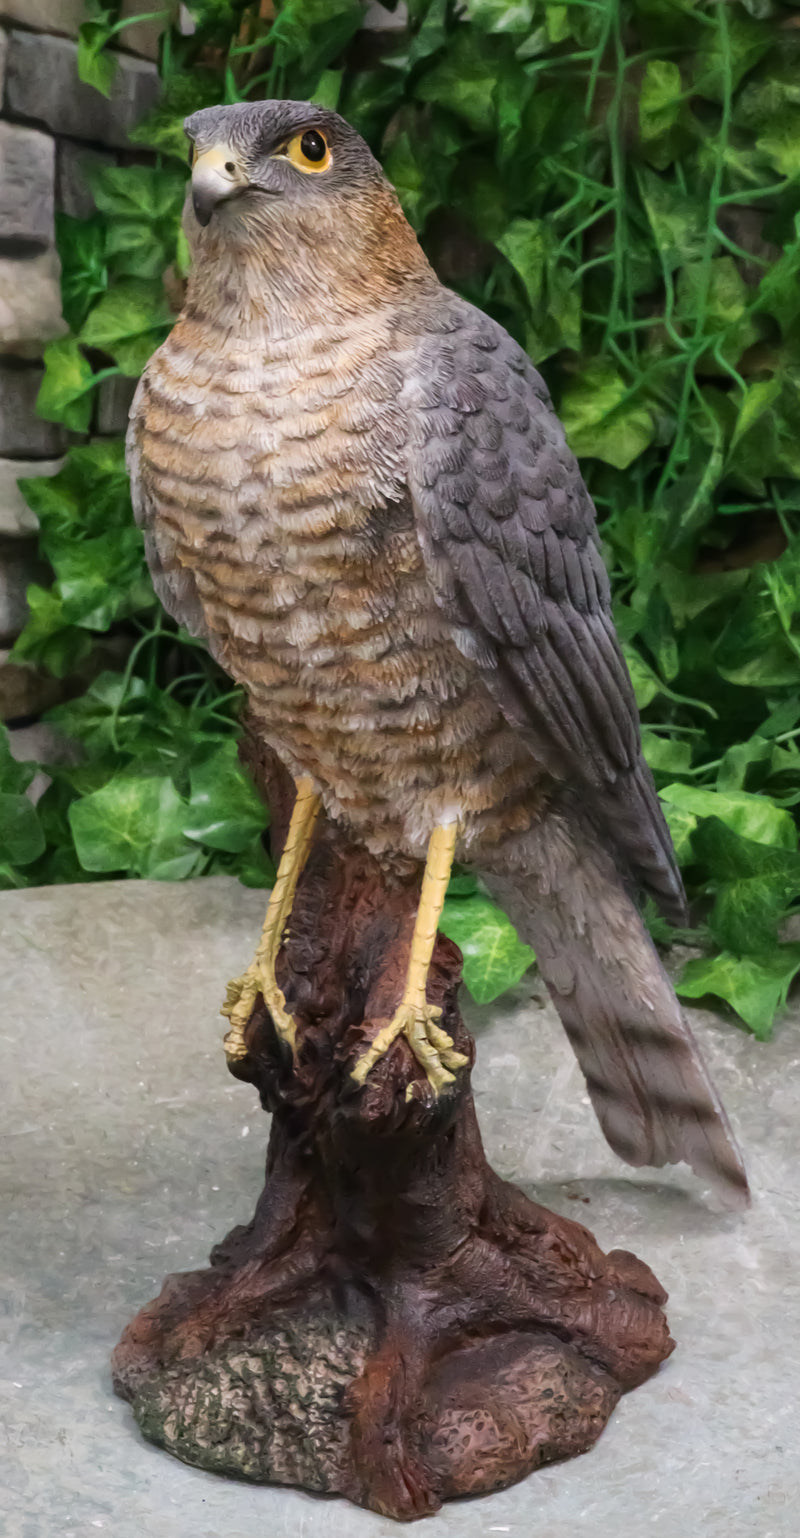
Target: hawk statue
[[352, 483]]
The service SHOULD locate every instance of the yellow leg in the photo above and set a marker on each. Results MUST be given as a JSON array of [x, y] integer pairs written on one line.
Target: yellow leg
[[260, 975], [415, 1018]]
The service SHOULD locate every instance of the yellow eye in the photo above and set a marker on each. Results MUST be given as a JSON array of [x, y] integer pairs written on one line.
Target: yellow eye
[[309, 151]]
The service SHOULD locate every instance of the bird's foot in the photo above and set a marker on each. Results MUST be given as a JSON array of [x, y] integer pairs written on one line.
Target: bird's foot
[[241, 997], [431, 1046]]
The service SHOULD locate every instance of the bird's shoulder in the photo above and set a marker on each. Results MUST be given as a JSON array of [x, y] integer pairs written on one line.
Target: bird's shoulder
[[482, 423]]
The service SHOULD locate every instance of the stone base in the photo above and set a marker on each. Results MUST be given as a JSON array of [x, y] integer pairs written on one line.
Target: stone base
[[396, 1324], [273, 1408]]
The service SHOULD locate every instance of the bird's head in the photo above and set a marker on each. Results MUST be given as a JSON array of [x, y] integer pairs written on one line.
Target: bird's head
[[286, 182]]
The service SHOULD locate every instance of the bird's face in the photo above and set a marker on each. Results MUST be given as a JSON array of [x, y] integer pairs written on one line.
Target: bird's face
[[259, 164], [290, 216]]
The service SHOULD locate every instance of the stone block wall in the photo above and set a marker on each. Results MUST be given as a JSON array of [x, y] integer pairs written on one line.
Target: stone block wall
[[51, 128]]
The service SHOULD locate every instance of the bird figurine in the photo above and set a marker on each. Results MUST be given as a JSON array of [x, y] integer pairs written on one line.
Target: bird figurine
[[353, 485]]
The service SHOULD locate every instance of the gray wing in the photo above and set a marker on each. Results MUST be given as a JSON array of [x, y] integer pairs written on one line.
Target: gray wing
[[175, 585], [507, 529]]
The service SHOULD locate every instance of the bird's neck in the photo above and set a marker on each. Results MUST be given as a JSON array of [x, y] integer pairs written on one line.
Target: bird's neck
[[335, 265]]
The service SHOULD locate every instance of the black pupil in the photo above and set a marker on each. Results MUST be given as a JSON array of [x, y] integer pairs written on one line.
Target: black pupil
[[313, 145]]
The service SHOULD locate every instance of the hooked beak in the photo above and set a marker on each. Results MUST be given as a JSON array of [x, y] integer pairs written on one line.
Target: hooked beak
[[216, 176]]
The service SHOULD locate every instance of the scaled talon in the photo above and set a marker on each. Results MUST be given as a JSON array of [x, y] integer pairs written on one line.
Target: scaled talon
[[415, 1018], [260, 979]]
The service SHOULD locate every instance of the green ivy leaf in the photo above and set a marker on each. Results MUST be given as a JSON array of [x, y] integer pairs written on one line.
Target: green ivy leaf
[[666, 755], [253, 867], [660, 109], [677, 219], [647, 685], [754, 817], [465, 81], [329, 89], [21, 836], [134, 824], [129, 322], [506, 16], [96, 66], [140, 193], [757, 399], [417, 190], [718, 293], [65, 393], [739, 759], [48, 637], [15, 776], [778, 293], [781, 145], [84, 274], [758, 645], [531, 247], [102, 579], [753, 882], [310, 35], [494, 958], [601, 420], [756, 989], [726, 56], [87, 496], [102, 718], [224, 810], [89, 538], [143, 204], [182, 92]]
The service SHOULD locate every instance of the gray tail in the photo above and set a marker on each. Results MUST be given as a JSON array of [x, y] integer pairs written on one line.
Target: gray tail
[[646, 1078]]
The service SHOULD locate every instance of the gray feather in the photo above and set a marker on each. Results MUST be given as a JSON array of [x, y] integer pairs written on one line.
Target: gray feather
[[644, 1072]]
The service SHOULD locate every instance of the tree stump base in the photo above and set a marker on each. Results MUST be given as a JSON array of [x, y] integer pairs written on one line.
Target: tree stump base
[[396, 1325]]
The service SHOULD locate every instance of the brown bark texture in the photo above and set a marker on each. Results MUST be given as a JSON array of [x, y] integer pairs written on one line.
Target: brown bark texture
[[397, 1324]]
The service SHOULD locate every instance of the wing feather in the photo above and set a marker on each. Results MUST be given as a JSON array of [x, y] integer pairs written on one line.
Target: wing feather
[[507, 529]]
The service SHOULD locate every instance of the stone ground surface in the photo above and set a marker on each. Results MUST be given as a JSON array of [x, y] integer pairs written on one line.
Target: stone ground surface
[[126, 1150]]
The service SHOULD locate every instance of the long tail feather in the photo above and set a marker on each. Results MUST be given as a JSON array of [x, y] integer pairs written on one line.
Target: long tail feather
[[646, 1078]]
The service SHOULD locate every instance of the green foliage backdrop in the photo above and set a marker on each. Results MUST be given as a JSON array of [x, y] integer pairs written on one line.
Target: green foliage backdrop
[[618, 181]]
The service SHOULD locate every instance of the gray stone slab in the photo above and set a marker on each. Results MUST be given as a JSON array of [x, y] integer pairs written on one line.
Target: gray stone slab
[[142, 37], [16, 517], [128, 1150], [73, 161], [22, 433], [27, 184], [14, 579], [25, 690], [46, 15], [66, 16], [42, 86], [30, 304], [115, 397], [379, 18], [20, 565]]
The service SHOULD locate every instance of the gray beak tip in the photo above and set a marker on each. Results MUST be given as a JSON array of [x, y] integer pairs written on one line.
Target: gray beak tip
[[203, 207]]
